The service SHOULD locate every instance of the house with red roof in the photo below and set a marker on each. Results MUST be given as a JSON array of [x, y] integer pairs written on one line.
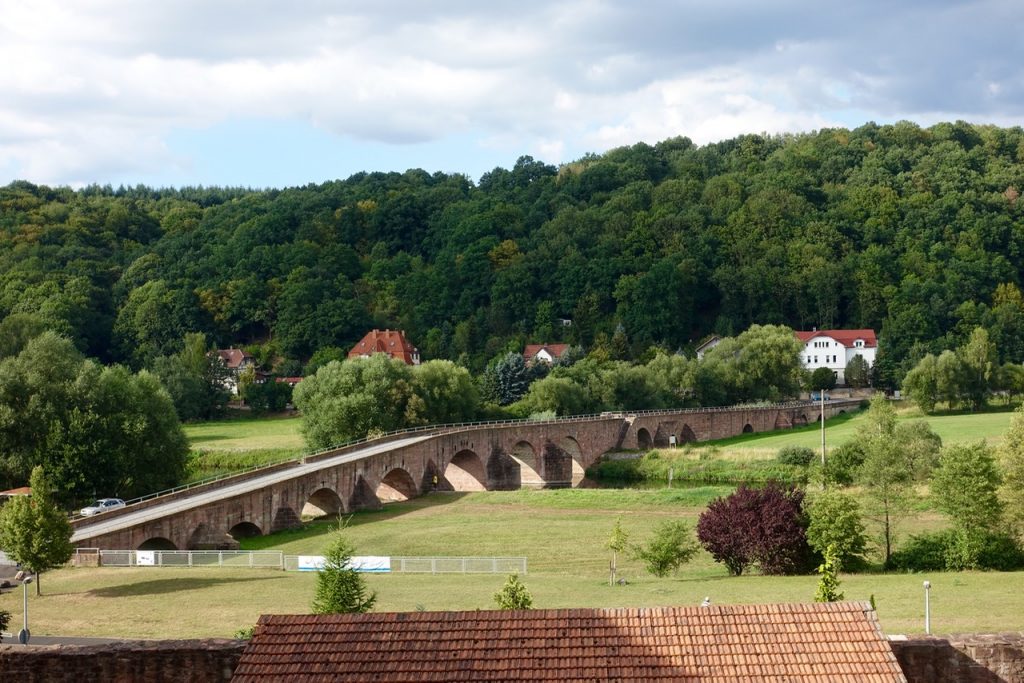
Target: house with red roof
[[543, 353], [834, 349], [391, 342], [236, 361], [809, 643]]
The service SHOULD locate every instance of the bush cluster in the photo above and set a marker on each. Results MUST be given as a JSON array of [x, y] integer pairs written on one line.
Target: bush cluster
[[801, 456], [654, 467], [945, 551]]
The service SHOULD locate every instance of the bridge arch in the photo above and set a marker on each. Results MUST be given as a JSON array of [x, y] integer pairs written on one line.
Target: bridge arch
[[686, 435], [157, 543], [529, 469], [643, 439], [396, 486], [244, 530], [363, 497], [572, 447], [324, 502], [748, 428], [465, 472]]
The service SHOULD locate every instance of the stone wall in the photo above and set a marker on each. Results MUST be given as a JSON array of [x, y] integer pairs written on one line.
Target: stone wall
[[975, 658], [157, 661]]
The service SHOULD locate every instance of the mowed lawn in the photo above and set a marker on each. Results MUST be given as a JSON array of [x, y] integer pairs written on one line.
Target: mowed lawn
[[562, 535], [952, 428], [246, 434]]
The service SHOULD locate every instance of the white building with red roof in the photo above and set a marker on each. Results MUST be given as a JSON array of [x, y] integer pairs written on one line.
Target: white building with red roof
[[544, 353], [834, 349]]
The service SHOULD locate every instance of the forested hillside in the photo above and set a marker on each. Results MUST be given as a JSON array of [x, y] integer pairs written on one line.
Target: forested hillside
[[917, 233]]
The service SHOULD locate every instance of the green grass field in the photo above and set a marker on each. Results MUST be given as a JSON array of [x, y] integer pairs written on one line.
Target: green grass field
[[221, 447], [953, 428], [562, 535]]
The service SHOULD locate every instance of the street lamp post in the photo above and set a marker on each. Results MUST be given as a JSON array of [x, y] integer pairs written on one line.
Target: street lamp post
[[24, 634]]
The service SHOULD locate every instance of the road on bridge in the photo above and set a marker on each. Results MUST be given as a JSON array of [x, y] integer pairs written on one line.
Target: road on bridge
[[154, 512]]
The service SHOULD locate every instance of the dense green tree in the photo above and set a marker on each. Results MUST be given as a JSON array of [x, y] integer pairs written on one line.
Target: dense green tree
[[910, 231], [836, 525], [16, 330], [965, 487], [94, 429], [196, 379], [268, 396], [980, 364], [1011, 457], [34, 532], [822, 379], [447, 393], [560, 395], [506, 379], [339, 587], [355, 398], [858, 372]]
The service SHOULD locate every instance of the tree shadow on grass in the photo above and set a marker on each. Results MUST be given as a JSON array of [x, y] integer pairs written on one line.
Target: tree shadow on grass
[[161, 586], [324, 525]]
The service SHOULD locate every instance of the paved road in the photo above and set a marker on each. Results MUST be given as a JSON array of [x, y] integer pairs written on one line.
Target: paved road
[[148, 514]]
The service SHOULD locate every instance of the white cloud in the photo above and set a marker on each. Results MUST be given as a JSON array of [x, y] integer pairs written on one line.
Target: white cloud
[[94, 88]]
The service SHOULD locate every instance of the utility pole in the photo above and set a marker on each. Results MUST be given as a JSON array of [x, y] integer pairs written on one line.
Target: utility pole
[[822, 428]]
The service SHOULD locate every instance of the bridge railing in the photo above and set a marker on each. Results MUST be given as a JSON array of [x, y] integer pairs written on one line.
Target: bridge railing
[[449, 428]]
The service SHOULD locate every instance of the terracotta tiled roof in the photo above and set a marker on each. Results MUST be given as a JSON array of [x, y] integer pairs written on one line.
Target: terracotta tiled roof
[[20, 491], [833, 642], [233, 357], [556, 350], [844, 337], [391, 342]]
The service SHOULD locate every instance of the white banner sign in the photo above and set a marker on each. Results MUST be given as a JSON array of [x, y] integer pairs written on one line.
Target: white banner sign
[[368, 563], [362, 563], [145, 558], [310, 563]]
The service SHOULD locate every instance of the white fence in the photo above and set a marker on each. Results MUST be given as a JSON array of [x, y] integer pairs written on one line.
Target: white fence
[[249, 559], [274, 559], [442, 565]]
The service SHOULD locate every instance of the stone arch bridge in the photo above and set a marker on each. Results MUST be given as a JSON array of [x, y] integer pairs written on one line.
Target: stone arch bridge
[[478, 457]]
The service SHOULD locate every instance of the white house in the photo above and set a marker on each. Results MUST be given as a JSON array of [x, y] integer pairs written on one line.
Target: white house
[[833, 349], [543, 353]]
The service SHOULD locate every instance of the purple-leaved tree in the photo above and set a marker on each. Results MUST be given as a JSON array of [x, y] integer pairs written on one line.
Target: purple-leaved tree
[[764, 527]]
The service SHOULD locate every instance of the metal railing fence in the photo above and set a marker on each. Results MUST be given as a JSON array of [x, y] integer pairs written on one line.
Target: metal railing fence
[[248, 559], [442, 565], [275, 559]]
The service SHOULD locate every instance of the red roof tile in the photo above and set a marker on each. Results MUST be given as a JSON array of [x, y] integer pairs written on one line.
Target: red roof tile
[[844, 337], [391, 342], [556, 350], [796, 643], [233, 357]]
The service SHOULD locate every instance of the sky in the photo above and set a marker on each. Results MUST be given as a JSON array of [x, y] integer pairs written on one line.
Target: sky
[[265, 93]]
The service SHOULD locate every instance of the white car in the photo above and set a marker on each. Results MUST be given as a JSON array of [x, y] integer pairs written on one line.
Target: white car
[[102, 505]]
